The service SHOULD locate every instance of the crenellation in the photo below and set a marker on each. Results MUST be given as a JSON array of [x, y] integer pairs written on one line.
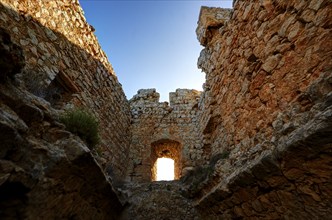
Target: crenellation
[[146, 95], [154, 121], [182, 97]]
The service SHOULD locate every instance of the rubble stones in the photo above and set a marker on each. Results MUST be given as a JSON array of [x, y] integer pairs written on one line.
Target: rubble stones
[[46, 172]]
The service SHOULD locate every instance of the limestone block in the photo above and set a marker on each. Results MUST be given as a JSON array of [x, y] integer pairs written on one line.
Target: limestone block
[[209, 19]]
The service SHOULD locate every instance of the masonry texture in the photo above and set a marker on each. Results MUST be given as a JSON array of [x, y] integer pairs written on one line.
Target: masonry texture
[[66, 66], [256, 143], [267, 101], [155, 123]]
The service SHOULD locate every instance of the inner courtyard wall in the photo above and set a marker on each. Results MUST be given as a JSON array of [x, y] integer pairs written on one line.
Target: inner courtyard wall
[[154, 121]]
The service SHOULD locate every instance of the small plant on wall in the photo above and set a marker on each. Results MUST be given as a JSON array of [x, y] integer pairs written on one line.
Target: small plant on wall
[[82, 123]]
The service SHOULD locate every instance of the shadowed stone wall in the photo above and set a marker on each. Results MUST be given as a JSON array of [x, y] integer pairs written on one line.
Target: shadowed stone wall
[[66, 66], [45, 171]]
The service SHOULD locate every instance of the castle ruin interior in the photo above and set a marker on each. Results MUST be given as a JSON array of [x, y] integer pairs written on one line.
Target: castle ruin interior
[[256, 143]]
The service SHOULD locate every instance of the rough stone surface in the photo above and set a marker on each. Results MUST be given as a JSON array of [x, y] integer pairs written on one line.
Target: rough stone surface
[[158, 200], [255, 144], [66, 66], [211, 19], [259, 86], [157, 123], [45, 171], [11, 57], [267, 102]]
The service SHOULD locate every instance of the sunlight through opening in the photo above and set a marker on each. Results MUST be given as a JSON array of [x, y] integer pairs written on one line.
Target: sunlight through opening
[[165, 169]]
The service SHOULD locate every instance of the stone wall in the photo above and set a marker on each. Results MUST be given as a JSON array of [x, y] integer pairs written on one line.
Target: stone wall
[[45, 171], [66, 66], [157, 124], [255, 144], [260, 61], [267, 101]]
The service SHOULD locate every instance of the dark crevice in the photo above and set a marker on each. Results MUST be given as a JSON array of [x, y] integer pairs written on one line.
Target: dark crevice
[[13, 200]]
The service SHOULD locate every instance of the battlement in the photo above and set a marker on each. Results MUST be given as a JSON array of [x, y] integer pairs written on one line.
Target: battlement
[[145, 96], [163, 122], [184, 97], [179, 97]]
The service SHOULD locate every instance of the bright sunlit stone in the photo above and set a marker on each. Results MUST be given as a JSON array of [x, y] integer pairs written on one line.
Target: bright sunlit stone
[[165, 169]]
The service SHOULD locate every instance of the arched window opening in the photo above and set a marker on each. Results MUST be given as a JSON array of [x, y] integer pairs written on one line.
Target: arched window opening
[[165, 169], [165, 150]]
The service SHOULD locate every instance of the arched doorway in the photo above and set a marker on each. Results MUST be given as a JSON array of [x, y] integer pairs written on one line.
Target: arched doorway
[[165, 149]]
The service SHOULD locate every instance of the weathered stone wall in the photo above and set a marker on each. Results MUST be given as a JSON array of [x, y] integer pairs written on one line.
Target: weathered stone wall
[[155, 123], [267, 101], [45, 171], [260, 61], [261, 129], [65, 65]]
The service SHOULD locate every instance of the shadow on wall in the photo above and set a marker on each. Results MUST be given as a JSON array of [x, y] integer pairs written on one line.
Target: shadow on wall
[[66, 75], [80, 184]]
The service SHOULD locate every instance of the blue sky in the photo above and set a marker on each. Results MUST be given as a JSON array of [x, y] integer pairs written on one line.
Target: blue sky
[[150, 44]]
